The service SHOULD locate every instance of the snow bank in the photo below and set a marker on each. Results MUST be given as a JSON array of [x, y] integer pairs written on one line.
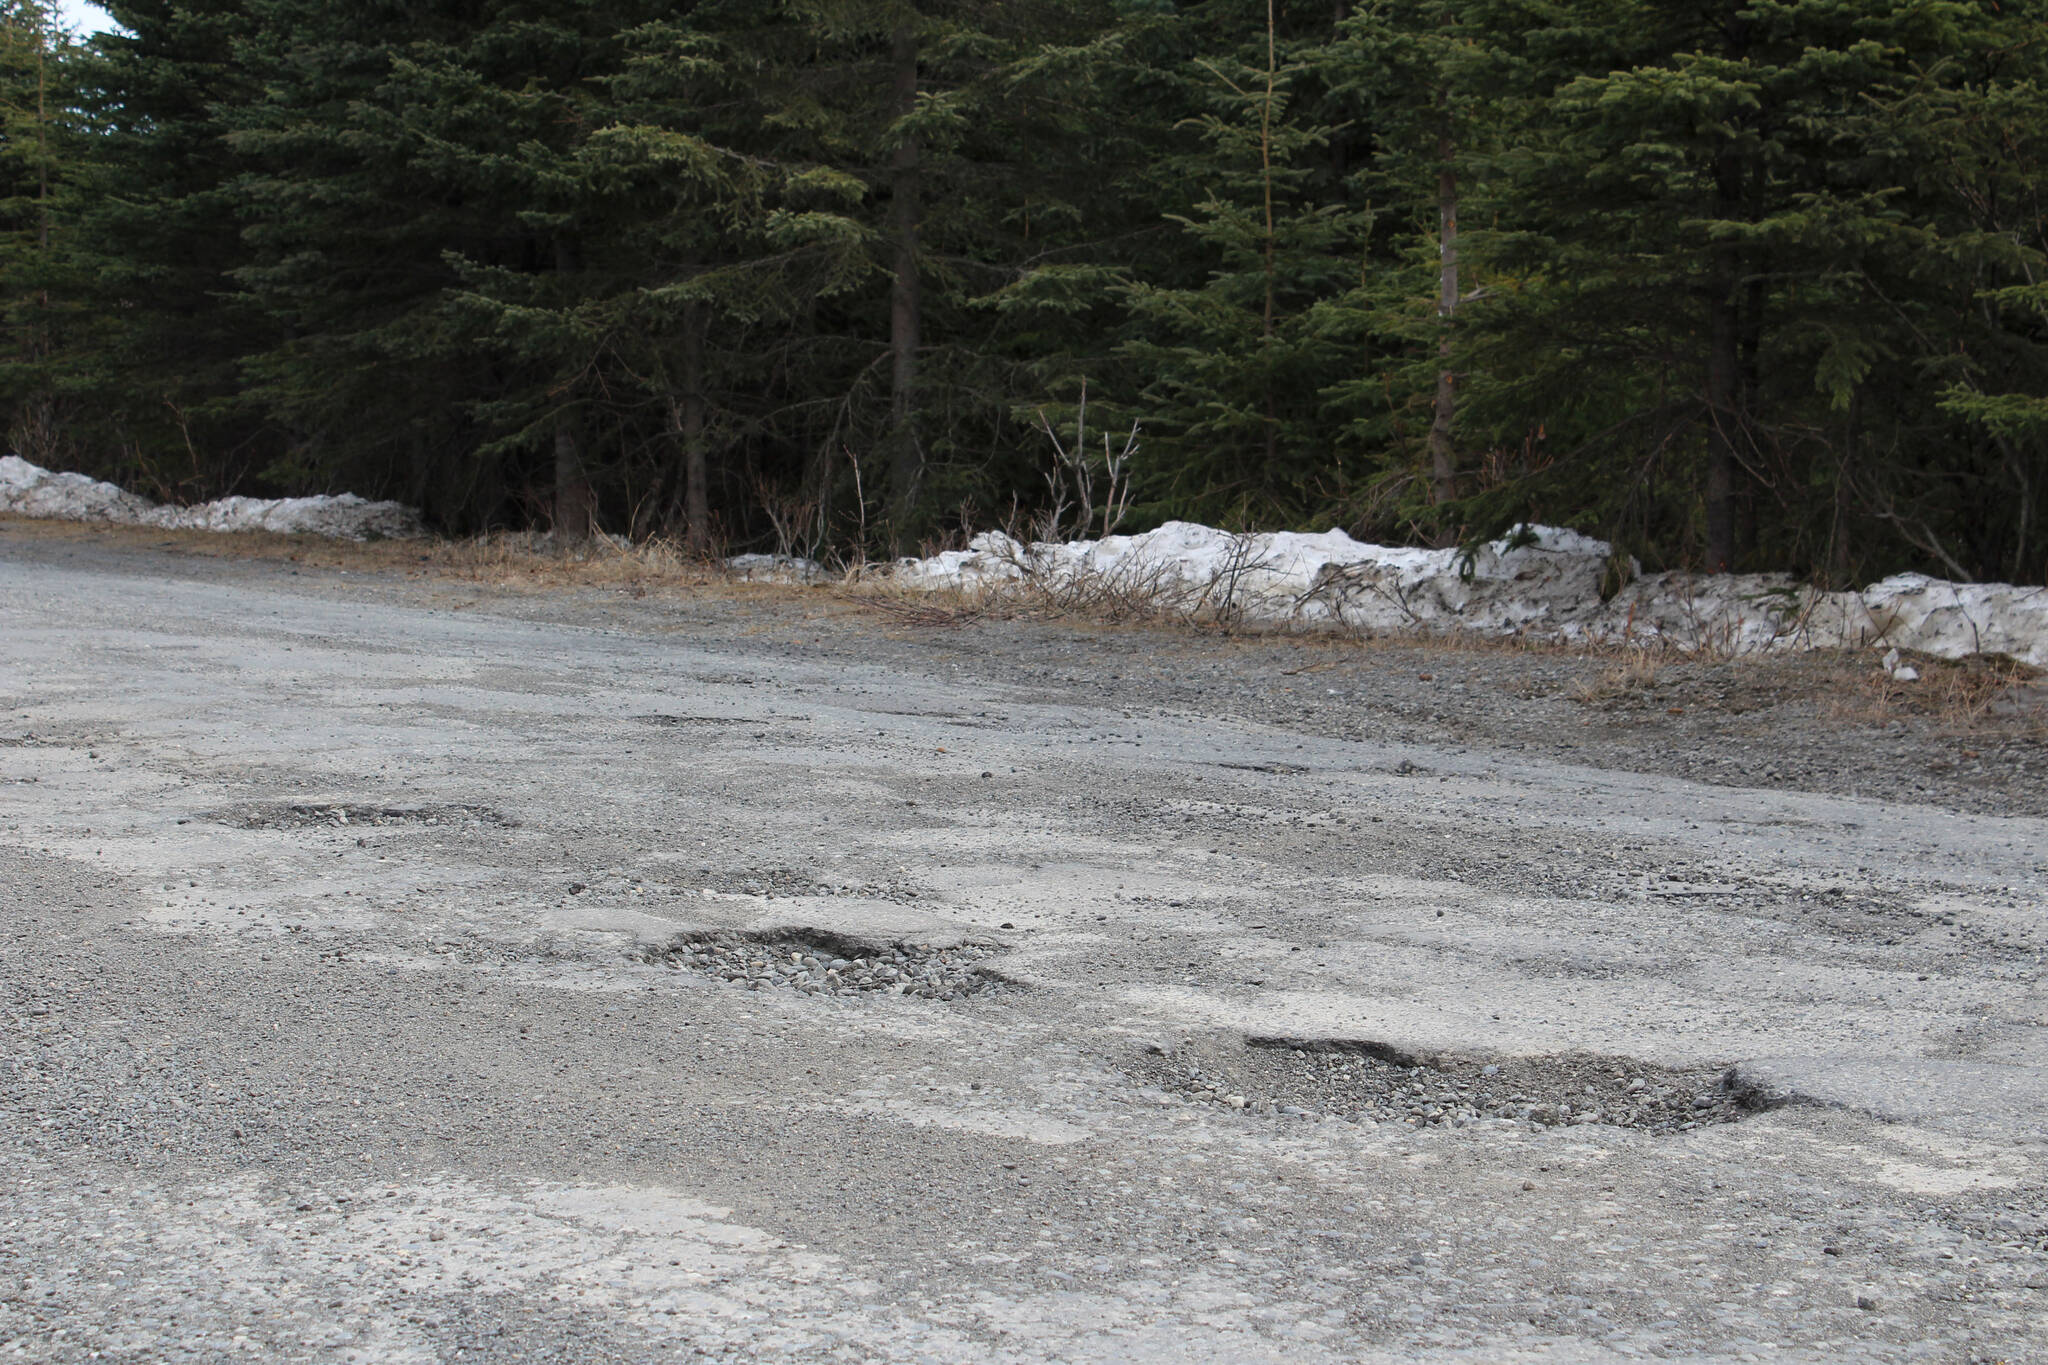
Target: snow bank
[[1542, 577], [340, 516], [31, 491], [1950, 620], [1543, 581], [1288, 574]]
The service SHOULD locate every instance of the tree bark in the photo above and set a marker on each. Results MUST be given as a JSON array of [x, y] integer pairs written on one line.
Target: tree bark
[[906, 451], [1443, 455]]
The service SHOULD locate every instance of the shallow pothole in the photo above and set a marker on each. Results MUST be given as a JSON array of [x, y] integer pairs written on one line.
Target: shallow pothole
[[1365, 1082], [819, 963], [352, 814]]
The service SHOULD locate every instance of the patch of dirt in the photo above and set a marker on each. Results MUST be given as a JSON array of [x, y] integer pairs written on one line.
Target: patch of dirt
[[817, 963], [1367, 1082]]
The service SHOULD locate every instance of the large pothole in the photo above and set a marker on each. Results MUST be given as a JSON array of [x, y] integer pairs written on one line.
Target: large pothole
[[1365, 1082], [354, 814], [813, 962]]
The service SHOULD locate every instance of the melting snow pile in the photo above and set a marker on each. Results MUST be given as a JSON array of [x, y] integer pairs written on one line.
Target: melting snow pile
[[31, 491], [1541, 581]]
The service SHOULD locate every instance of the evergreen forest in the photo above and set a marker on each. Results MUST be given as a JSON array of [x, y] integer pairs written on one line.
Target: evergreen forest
[[1736, 284]]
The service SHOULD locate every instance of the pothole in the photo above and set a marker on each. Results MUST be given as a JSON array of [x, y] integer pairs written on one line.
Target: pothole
[[793, 883], [819, 963], [349, 815], [1366, 1082]]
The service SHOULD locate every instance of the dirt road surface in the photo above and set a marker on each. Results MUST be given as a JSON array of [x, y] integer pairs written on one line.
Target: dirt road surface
[[396, 969]]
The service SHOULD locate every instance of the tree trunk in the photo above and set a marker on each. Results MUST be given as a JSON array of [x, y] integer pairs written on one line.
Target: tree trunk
[[1840, 562], [696, 471], [906, 452], [573, 502], [1340, 138], [1443, 456], [572, 485], [1266, 174], [1723, 397], [42, 138], [1749, 406], [1728, 387]]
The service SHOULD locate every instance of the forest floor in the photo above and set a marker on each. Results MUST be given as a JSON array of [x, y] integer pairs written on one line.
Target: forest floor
[[421, 952]]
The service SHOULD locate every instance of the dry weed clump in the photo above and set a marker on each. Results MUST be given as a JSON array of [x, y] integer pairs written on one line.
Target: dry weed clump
[[511, 557], [1960, 696], [1635, 673]]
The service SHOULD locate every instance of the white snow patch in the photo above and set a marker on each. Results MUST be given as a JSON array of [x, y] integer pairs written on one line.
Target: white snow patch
[[1544, 576], [1950, 620], [31, 491], [1542, 581]]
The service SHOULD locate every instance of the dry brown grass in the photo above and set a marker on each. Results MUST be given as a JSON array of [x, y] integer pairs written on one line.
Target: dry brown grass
[[1634, 673], [931, 609], [1959, 696], [505, 559]]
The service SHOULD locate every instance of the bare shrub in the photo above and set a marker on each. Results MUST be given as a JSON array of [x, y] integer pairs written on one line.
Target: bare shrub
[[1072, 479]]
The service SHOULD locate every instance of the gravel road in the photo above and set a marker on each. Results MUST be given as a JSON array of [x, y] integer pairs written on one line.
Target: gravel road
[[397, 968]]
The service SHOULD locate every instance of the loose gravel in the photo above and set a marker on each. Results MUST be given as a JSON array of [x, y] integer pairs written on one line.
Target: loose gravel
[[1370, 1084], [814, 967], [345, 814]]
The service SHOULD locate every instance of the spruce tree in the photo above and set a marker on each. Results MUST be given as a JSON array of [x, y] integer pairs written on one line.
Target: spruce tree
[[149, 235], [1706, 236], [32, 72]]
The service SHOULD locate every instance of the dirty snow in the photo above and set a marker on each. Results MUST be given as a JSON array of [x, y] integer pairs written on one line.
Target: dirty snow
[[1544, 581], [31, 491], [760, 568]]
